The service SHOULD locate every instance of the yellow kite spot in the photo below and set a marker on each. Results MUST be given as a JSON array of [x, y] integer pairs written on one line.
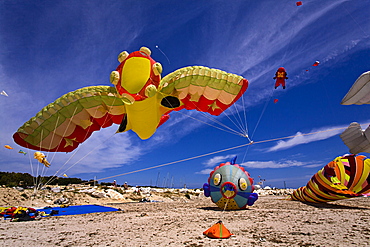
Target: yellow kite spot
[[103, 108], [195, 97], [69, 142], [85, 123], [214, 106]]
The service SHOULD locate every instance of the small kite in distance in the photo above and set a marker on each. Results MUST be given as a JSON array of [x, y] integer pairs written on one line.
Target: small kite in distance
[[4, 93], [299, 3], [276, 100], [41, 158], [280, 77], [8, 147], [316, 63], [22, 152]]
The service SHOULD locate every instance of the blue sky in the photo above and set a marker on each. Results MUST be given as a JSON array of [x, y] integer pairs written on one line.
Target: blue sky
[[51, 48]]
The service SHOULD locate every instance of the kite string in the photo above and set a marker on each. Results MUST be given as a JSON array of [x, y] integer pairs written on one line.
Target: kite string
[[32, 171], [64, 134], [239, 125], [206, 115], [96, 146], [52, 139], [367, 35], [38, 166], [105, 121], [231, 131], [163, 53], [219, 151], [262, 113], [259, 120]]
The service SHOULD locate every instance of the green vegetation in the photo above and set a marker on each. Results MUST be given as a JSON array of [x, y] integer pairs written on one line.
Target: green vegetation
[[12, 179]]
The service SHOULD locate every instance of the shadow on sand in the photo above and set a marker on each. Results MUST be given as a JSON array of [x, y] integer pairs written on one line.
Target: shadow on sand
[[333, 206]]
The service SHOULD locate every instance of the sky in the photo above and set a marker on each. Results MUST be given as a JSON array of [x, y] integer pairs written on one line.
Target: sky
[[50, 48]]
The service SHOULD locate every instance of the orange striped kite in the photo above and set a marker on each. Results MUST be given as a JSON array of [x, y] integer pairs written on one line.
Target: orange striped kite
[[345, 177]]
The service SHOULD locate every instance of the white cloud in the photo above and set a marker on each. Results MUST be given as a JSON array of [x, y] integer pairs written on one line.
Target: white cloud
[[218, 160], [304, 138], [215, 161], [103, 150], [273, 164], [205, 171]]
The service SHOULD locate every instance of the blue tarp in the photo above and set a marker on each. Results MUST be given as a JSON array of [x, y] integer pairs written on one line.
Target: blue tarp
[[79, 209]]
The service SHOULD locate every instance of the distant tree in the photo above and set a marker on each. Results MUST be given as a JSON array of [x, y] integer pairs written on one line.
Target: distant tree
[[12, 179]]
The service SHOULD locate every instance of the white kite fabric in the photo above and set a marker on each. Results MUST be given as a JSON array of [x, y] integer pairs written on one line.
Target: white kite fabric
[[359, 94], [4, 93], [356, 139]]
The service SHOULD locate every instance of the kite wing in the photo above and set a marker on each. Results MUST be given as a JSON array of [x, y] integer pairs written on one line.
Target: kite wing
[[203, 89], [344, 177], [62, 125], [356, 139], [359, 93]]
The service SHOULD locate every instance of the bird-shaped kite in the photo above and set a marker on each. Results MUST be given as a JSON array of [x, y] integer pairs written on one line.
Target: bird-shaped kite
[[139, 101]]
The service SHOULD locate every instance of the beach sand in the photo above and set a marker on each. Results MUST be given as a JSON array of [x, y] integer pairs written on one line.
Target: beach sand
[[179, 221]]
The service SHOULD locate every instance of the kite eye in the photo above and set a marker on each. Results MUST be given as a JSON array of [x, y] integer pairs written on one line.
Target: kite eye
[[217, 179], [122, 56], [157, 68], [243, 184], [114, 77]]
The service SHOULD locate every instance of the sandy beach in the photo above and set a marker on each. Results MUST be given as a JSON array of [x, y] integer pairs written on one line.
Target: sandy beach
[[175, 220]]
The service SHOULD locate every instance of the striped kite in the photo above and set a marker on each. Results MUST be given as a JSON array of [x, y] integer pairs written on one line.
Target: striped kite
[[345, 177]]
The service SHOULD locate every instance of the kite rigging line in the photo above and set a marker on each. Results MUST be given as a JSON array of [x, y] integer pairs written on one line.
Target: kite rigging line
[[238, 122], [54, 177], [220, 151]]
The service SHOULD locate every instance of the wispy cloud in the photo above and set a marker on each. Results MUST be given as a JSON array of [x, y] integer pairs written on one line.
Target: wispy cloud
[[215, 161], [259, 164], [105, 150], [304, 138], [289, 35], [273, 164], [218, 159], [71, 46], [205, 171]]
